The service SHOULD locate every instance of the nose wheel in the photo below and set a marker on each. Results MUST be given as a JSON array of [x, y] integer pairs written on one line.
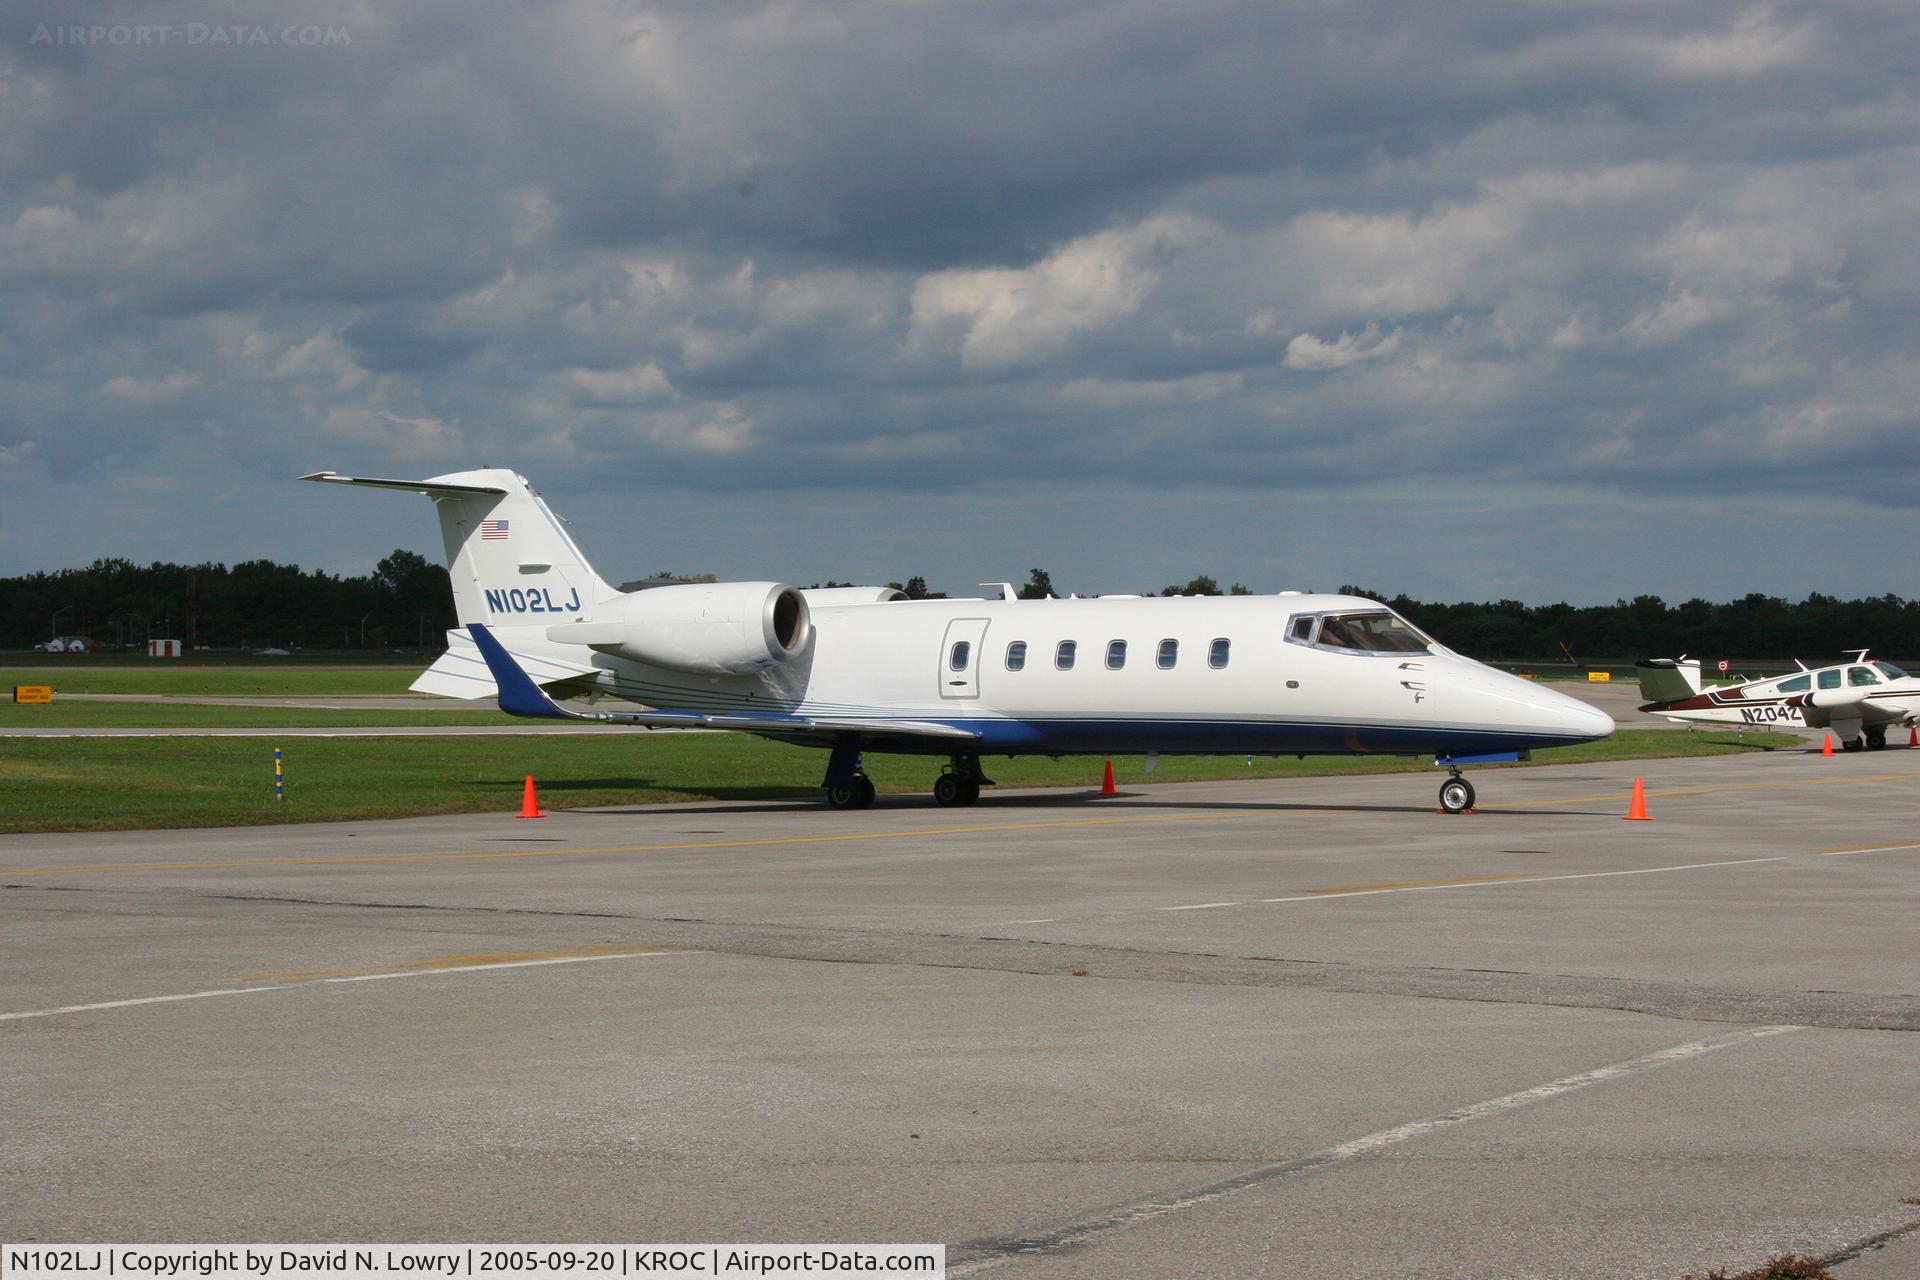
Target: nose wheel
[[1456, 794]]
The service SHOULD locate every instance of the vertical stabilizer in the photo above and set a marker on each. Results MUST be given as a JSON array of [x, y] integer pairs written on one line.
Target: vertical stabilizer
[[510, 559]]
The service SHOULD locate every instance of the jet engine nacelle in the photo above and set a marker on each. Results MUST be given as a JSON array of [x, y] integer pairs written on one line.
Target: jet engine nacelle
[[721, 628]]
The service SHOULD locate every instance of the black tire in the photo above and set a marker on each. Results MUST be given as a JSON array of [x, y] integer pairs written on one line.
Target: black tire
[[865, 786], [1852, 744], [847, 797], [948, 789], [970, 791], [1456, 795], [1876, 740]]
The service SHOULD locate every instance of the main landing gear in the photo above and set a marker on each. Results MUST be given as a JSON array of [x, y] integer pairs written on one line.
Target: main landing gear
[[857, 794], [848, 787], [960, 782], [1456, 793]]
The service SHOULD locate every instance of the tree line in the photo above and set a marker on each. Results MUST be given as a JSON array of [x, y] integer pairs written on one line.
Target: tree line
[[407, 603]]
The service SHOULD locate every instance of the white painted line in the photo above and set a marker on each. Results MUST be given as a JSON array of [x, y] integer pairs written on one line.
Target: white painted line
[[1493, 884], [1201, 906], [127, 1004], [993, 1253], [312, 982]]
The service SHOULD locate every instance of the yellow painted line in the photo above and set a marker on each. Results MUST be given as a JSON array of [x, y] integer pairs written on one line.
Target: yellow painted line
[[493, 854], [1866, 848], [1708, 791], [489, 959], [1428, 884]]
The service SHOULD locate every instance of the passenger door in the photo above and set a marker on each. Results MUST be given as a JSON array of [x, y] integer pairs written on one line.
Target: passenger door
[[960, 656]]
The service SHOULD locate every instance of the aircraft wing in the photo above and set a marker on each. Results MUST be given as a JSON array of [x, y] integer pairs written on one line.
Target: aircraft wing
[[520, 696]]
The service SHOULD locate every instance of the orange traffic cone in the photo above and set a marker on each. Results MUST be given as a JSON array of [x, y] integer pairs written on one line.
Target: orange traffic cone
[[1637, 807], [1913, 736], [1826, 745], [530, 807], [1106, 782]]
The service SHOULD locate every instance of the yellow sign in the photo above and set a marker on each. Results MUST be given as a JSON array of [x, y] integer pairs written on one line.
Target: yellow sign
[[1599, 677], [33, 693]]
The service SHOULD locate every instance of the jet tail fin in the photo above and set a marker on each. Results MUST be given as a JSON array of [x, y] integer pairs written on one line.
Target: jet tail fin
[[511, 560], [1668, 679]]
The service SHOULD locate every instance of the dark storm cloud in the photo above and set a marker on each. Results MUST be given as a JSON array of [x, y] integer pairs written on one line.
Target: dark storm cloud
[[1635, 250]]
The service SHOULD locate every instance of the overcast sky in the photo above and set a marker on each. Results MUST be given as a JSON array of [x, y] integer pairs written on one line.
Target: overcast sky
[[1467, 300]]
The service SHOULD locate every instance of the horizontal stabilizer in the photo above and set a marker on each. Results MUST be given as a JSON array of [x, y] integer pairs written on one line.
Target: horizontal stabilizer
[[428, 487], [460, 672]]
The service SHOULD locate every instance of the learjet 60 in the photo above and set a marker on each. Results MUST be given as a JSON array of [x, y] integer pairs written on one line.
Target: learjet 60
[[864, 669]]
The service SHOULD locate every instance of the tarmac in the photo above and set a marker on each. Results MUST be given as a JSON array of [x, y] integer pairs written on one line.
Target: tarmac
[[1291, 1028]]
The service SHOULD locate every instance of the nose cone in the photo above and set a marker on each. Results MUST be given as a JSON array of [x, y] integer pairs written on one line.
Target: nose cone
[[1529, 708], [1581, 720]]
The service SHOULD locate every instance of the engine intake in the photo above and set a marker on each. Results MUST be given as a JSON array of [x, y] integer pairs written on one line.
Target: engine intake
[[721, 628]]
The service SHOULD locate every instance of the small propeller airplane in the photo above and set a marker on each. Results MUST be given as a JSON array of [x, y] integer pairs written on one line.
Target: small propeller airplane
[[864, 669], [1857, 701]]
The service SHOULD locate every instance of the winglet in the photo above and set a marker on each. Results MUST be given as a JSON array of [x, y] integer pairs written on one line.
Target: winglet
[[519, 695]]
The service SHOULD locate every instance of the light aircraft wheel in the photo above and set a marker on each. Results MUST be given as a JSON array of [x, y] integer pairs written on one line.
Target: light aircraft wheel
[[949, 789], [1852, 744], [970, 791], [865, 786], [1456, 795], [1876, 740]]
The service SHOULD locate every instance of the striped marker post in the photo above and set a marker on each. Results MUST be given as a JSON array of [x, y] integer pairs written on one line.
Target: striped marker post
[[279, 777]]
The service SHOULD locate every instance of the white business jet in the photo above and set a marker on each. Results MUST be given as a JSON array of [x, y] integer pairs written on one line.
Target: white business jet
[[1856, 701], [858, 669]]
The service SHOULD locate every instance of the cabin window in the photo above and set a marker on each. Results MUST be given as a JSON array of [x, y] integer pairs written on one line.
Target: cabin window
[[1890, 671], [1116, 654], [1063, 656], [1799, 684], [1016, 655], [1301, 632], [1168, 655], [1830, 679], [1861, 675], [962, 651], [1217, 654]]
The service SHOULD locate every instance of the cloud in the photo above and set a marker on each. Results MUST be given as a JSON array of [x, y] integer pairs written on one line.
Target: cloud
[[1008, 316], [1309, 352], [741, 252], [151, 391], [1755, 43], [634, 385]]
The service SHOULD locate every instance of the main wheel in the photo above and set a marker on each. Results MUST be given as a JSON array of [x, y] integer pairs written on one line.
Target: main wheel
[[866, 789], [970, 791], [1852, 744], [949, 789], [1876, 740], [1456, 795]]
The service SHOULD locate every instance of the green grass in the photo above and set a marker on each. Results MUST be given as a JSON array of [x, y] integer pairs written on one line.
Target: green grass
[[90, 674], [163, 715], [99, 784]]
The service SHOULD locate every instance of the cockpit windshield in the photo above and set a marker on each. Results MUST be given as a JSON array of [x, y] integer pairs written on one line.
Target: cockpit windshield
[[1370, 632], [1890, 671]]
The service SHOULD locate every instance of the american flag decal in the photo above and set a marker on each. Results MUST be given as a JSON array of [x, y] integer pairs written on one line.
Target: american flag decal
[[493, 529]]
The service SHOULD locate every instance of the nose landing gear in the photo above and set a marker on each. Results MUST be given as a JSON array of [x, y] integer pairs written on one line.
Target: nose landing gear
[[1456, 793]]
